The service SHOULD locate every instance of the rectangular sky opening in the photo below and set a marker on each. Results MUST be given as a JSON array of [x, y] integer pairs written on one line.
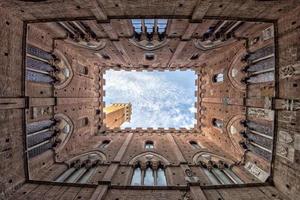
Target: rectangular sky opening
[[157, 99]]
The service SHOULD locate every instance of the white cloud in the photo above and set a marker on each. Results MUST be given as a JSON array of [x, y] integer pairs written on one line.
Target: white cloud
[[157, 100]]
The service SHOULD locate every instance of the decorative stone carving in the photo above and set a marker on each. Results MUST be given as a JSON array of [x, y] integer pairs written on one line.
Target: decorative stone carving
[[209, 44], [190, 176], [235, 73], [145, 45], [282, 104], [64, 128], [209, 159], [88, 159], [282, 150], [268, 33], [188, 173], [233, 128], [256, 171], [285, 145], [63, 73], [285, 137], [149, 158], [289, 71], [261, 113]]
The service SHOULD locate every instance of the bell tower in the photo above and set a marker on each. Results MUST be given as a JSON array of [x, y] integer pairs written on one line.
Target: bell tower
[[116, 114]]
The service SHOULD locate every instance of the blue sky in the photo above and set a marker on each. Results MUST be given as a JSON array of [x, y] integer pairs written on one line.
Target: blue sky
[[159, 99]]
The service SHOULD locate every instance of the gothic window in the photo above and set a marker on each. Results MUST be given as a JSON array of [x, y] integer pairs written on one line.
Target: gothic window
[[149, 145], [221, 176], [149, 25], [48, 134], [194, 144], [217, 170], [261, 66], [137, 176], [217, 123], [149, 176], [162, 25], [39, 137], [217, 78], [258, 139], [149, 34], [104, 144], [161, 177], [137, 25], [44, 67], [80, 170], [38, 65]]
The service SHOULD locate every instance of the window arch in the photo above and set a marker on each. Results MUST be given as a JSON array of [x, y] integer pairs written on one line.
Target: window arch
[[104, 144], [81, 168], [48, 134], [195, 144], [64, 129], [149, 169], [50, 68], [218, 170], [217, 78], [149, 144], [149, 175], [39, 137], [149, 34], [217, 123]]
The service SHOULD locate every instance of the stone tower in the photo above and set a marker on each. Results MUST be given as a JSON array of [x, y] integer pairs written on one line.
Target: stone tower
[[116, 114]]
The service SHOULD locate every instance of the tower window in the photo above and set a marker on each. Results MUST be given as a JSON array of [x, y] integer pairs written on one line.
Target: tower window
[[104, 144], [194, 144], [217, 123], [149, 145], [217, 78]]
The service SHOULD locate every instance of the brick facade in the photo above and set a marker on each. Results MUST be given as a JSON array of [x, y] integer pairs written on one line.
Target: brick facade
[[231, 114]]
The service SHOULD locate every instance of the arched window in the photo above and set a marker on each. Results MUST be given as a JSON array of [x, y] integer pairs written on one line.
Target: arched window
[[81, 169], [217, 123], [217, 78], [39, 65], [161, 177], [221, 175], [149, 34], [44, 67], [195, 144], [137, 176], [150, 176], [149, 145], [259, 139], [39, 135], [104, 144], [217, 170]]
